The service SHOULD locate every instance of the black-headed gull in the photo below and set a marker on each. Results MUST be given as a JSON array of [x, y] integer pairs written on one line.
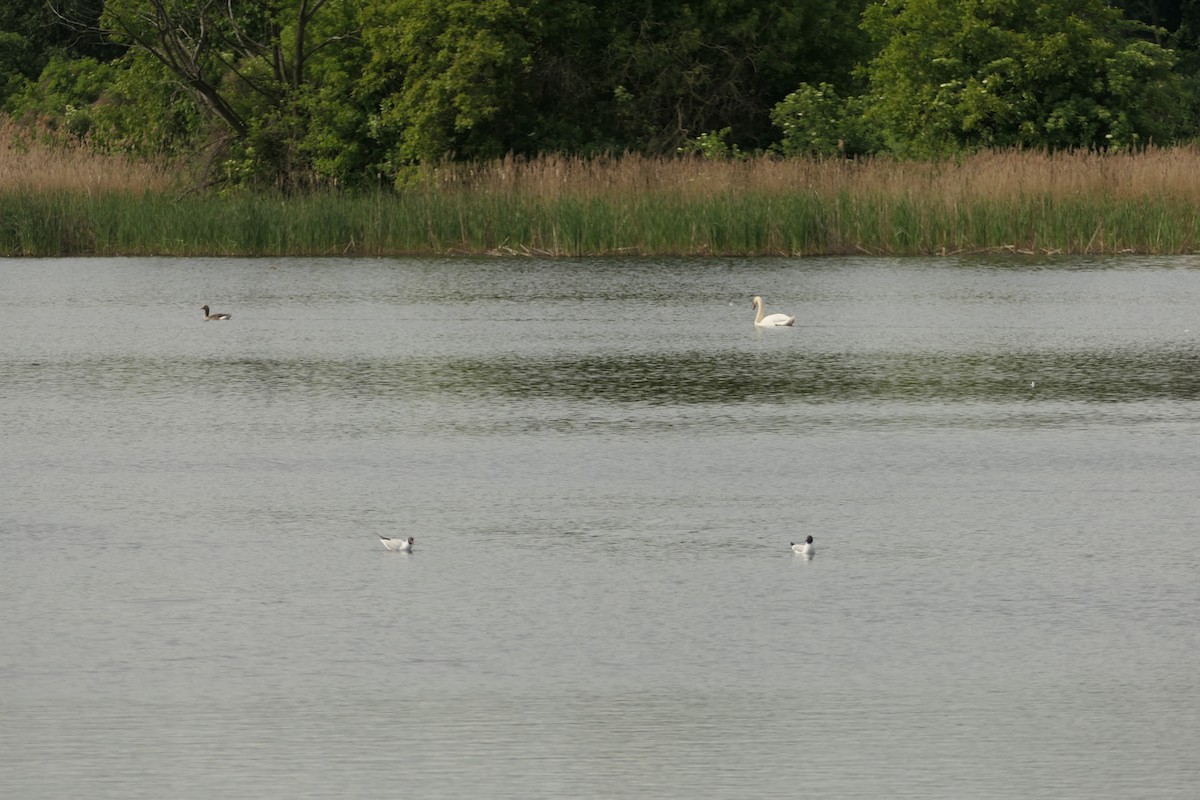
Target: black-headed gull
[[805, 548], [397, 545]]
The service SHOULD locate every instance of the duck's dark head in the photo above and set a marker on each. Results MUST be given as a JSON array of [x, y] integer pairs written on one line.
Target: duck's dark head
[[808, 540], [205, 310]]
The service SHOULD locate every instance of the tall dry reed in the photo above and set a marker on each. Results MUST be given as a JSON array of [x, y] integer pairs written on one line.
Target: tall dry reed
[[994, 175], [34, 161], [62, 200], [1077, 202]]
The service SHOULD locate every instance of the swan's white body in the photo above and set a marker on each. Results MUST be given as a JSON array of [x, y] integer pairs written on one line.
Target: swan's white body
[[805, 548], [211, 317], [397, 545], [770, 320]]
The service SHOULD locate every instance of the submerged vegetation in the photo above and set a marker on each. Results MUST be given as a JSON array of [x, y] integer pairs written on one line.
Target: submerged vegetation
[[76, 202]]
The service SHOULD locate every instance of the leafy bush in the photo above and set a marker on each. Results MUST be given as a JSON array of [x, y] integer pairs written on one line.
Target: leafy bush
[[817, 122]]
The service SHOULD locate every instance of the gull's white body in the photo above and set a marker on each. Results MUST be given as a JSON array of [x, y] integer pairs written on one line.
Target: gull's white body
[[805, 548], [397, 545]]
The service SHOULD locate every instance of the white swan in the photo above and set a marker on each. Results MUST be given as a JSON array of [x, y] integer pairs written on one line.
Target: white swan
[[397, 545], [209, 317], [805, 548], [771, 320]]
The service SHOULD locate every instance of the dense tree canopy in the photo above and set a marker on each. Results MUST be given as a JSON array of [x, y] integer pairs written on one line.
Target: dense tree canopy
[[1005, 73], [293, 91], [485, 77]]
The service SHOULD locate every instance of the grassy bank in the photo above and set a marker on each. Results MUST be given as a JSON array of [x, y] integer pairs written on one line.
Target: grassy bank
[[75, 203]]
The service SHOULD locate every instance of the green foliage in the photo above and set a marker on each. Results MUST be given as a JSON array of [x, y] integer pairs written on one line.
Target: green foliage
[[458, 70], [1015, 73], [475, 79], [471, 79], [334, 141], [817, 122], [128, 105], [301, 93], [690, 67], [65, 94], [16, 58], [143, 111], [32, 32], [713, 145], [255, 70]]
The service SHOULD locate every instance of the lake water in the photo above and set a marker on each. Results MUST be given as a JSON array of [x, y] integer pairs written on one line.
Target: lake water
[[603, 464]]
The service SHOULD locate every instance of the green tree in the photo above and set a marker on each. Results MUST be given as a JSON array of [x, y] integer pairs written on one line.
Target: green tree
[[333, 115], [33, 33], [16, 59], [442, 71], [249, 68], [479, 78], [128, 105], [687, 68], [1016, 73], [1161, 17], [64, 95]]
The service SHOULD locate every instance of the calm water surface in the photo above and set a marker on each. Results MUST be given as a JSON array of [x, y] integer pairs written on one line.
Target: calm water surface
[[603, 465]]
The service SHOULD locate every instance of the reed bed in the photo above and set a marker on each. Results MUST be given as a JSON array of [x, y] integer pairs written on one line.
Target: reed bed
[[36, 161], [72, 202]]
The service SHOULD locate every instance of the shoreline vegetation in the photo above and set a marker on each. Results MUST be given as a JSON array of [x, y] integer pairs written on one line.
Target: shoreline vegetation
[[59, 201]]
